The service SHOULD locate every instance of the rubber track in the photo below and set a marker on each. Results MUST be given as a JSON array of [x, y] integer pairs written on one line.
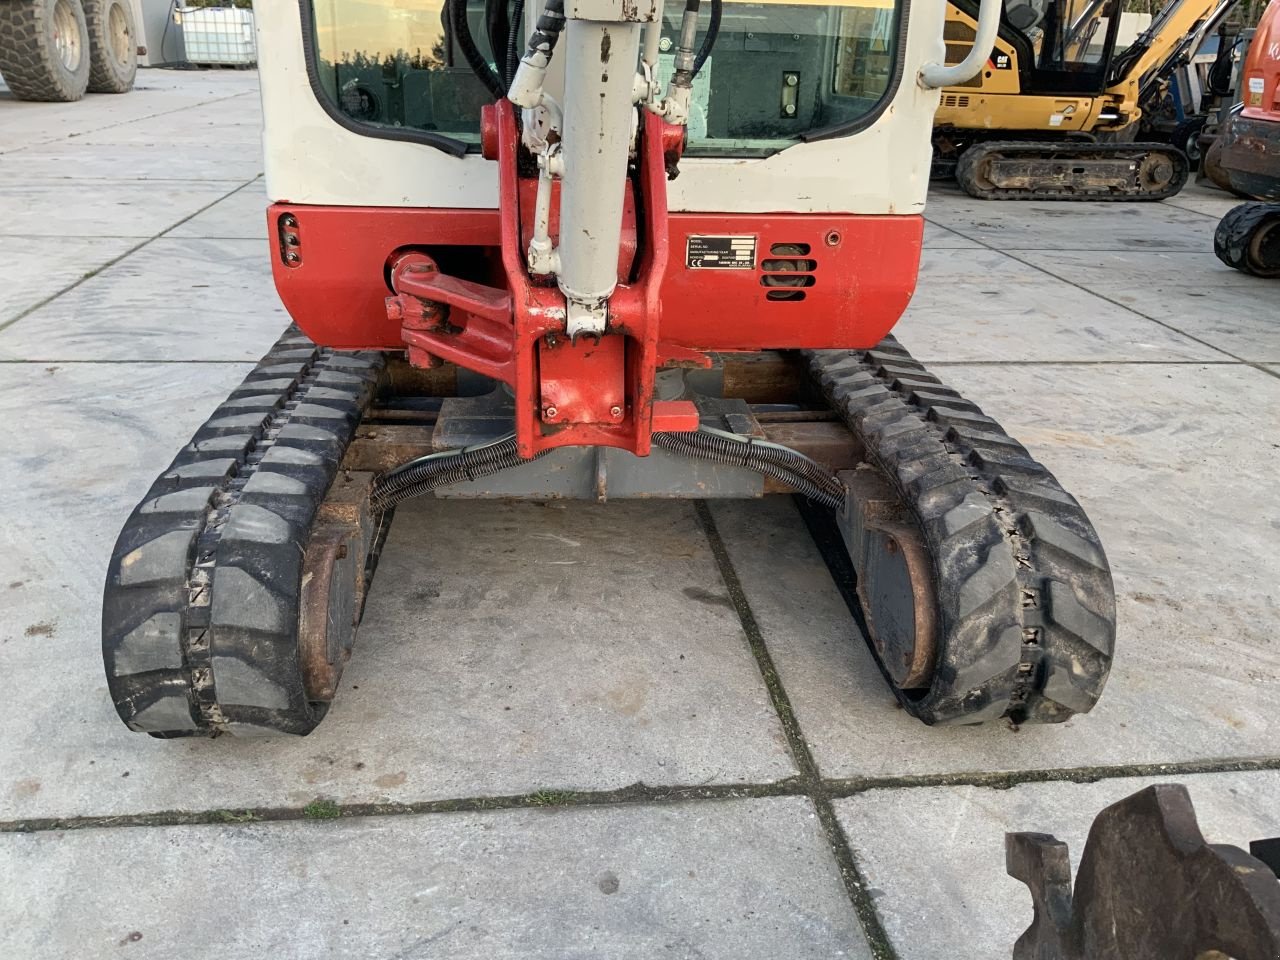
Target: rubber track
[[966, 174], [200, 609], [1026, 607], [1232, 238]]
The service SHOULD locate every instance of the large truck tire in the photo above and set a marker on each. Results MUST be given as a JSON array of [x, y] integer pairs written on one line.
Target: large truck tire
[[113, 46], [44, 49]]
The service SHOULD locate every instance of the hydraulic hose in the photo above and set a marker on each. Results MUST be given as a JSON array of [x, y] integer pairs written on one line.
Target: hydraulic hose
[[513, 42], [547, 31], [466, 43], [710, 37], [771, 459], [423, 475], [525, 88], [496, 28]]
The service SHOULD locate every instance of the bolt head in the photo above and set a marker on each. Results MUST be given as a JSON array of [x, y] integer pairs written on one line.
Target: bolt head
[[549, 413], [291, 257], [664, 44], [790, 110], [615, 412], [792, 80]]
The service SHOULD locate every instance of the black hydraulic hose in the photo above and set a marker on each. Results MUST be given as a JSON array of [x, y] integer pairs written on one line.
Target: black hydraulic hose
[[425, 474], [513, 41], [421, 476], [496, 28], [710, 37], [547, 31], [773, 460], [466, 43]]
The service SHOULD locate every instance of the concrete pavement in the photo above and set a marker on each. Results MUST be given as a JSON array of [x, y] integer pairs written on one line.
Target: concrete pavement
[[563, 732]]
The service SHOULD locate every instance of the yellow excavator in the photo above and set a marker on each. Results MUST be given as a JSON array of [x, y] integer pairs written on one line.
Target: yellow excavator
[[1054, 114]]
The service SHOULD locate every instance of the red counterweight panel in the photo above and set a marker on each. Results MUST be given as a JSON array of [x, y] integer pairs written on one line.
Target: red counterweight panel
[[733, 281]]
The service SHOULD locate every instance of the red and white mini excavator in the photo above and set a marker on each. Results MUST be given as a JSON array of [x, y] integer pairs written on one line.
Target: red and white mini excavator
[[601, 249]]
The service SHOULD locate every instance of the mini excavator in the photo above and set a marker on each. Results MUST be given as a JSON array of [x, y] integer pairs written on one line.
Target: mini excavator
[[1054, 113], [601, 249]]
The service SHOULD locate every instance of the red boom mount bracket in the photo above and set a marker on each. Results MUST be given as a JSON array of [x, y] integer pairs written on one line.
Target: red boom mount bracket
[[591, 391]]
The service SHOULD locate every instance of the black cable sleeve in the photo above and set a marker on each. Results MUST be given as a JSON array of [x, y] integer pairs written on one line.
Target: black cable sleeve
[[550, 23], [496, 29], [709, 39], [513, 41], [466, 43]]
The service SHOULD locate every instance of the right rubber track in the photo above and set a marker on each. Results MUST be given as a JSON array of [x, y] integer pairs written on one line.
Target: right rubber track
[[1233, 238], [1025, 602]]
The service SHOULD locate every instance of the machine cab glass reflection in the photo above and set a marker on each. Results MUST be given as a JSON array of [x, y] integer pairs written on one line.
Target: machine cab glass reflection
[[780, 71]]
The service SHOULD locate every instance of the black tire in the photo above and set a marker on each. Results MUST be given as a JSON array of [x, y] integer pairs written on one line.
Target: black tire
[[113, 46], [1248, 239], [44, 49], [1186, 137]]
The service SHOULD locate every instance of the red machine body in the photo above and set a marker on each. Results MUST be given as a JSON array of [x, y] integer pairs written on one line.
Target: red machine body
[[1260, 82], [452, 285]]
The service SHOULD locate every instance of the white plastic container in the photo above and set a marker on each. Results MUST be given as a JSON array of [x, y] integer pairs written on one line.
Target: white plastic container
[[219, 35]]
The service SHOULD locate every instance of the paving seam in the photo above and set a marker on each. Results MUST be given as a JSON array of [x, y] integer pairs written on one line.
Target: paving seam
[[638, 795], [1259, 365], [6, 324], [810, 780], [112, 126]]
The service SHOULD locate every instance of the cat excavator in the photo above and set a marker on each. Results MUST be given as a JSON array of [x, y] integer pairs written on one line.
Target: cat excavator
[[1054, 113], [601, 249]]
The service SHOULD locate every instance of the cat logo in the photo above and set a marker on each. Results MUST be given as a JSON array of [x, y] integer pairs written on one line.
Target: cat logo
[[1003, 61]]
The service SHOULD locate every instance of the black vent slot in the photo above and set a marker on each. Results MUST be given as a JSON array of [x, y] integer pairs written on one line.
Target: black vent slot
[[788, 272]]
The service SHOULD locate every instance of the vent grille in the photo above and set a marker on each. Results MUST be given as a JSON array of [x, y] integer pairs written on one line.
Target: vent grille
[[955, 100], [787, 272]]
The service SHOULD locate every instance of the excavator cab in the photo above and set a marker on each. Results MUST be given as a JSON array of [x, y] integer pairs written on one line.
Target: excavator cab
[[598, 249], [1066, 45], [1043, 47]]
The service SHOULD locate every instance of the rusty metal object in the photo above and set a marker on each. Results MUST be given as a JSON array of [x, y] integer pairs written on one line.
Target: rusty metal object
[[827, 441], [765, 377], [404, 379], [903, 623], [1149, 888], [385, 446], [895, 578], [334, 583]]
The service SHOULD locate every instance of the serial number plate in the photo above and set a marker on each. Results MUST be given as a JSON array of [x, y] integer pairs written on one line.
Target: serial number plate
[[720, 253]]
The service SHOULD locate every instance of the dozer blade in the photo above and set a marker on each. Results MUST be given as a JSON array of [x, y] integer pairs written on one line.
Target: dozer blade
[[1072, 170], [984, 587], [231, 598]]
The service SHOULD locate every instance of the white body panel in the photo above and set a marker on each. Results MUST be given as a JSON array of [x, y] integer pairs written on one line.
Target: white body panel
[[310, 158]]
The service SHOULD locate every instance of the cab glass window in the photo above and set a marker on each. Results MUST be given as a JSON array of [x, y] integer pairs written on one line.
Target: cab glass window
[[776, 72]]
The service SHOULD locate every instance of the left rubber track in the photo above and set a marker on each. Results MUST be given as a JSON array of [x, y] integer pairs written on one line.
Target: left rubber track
[[194, 652]]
